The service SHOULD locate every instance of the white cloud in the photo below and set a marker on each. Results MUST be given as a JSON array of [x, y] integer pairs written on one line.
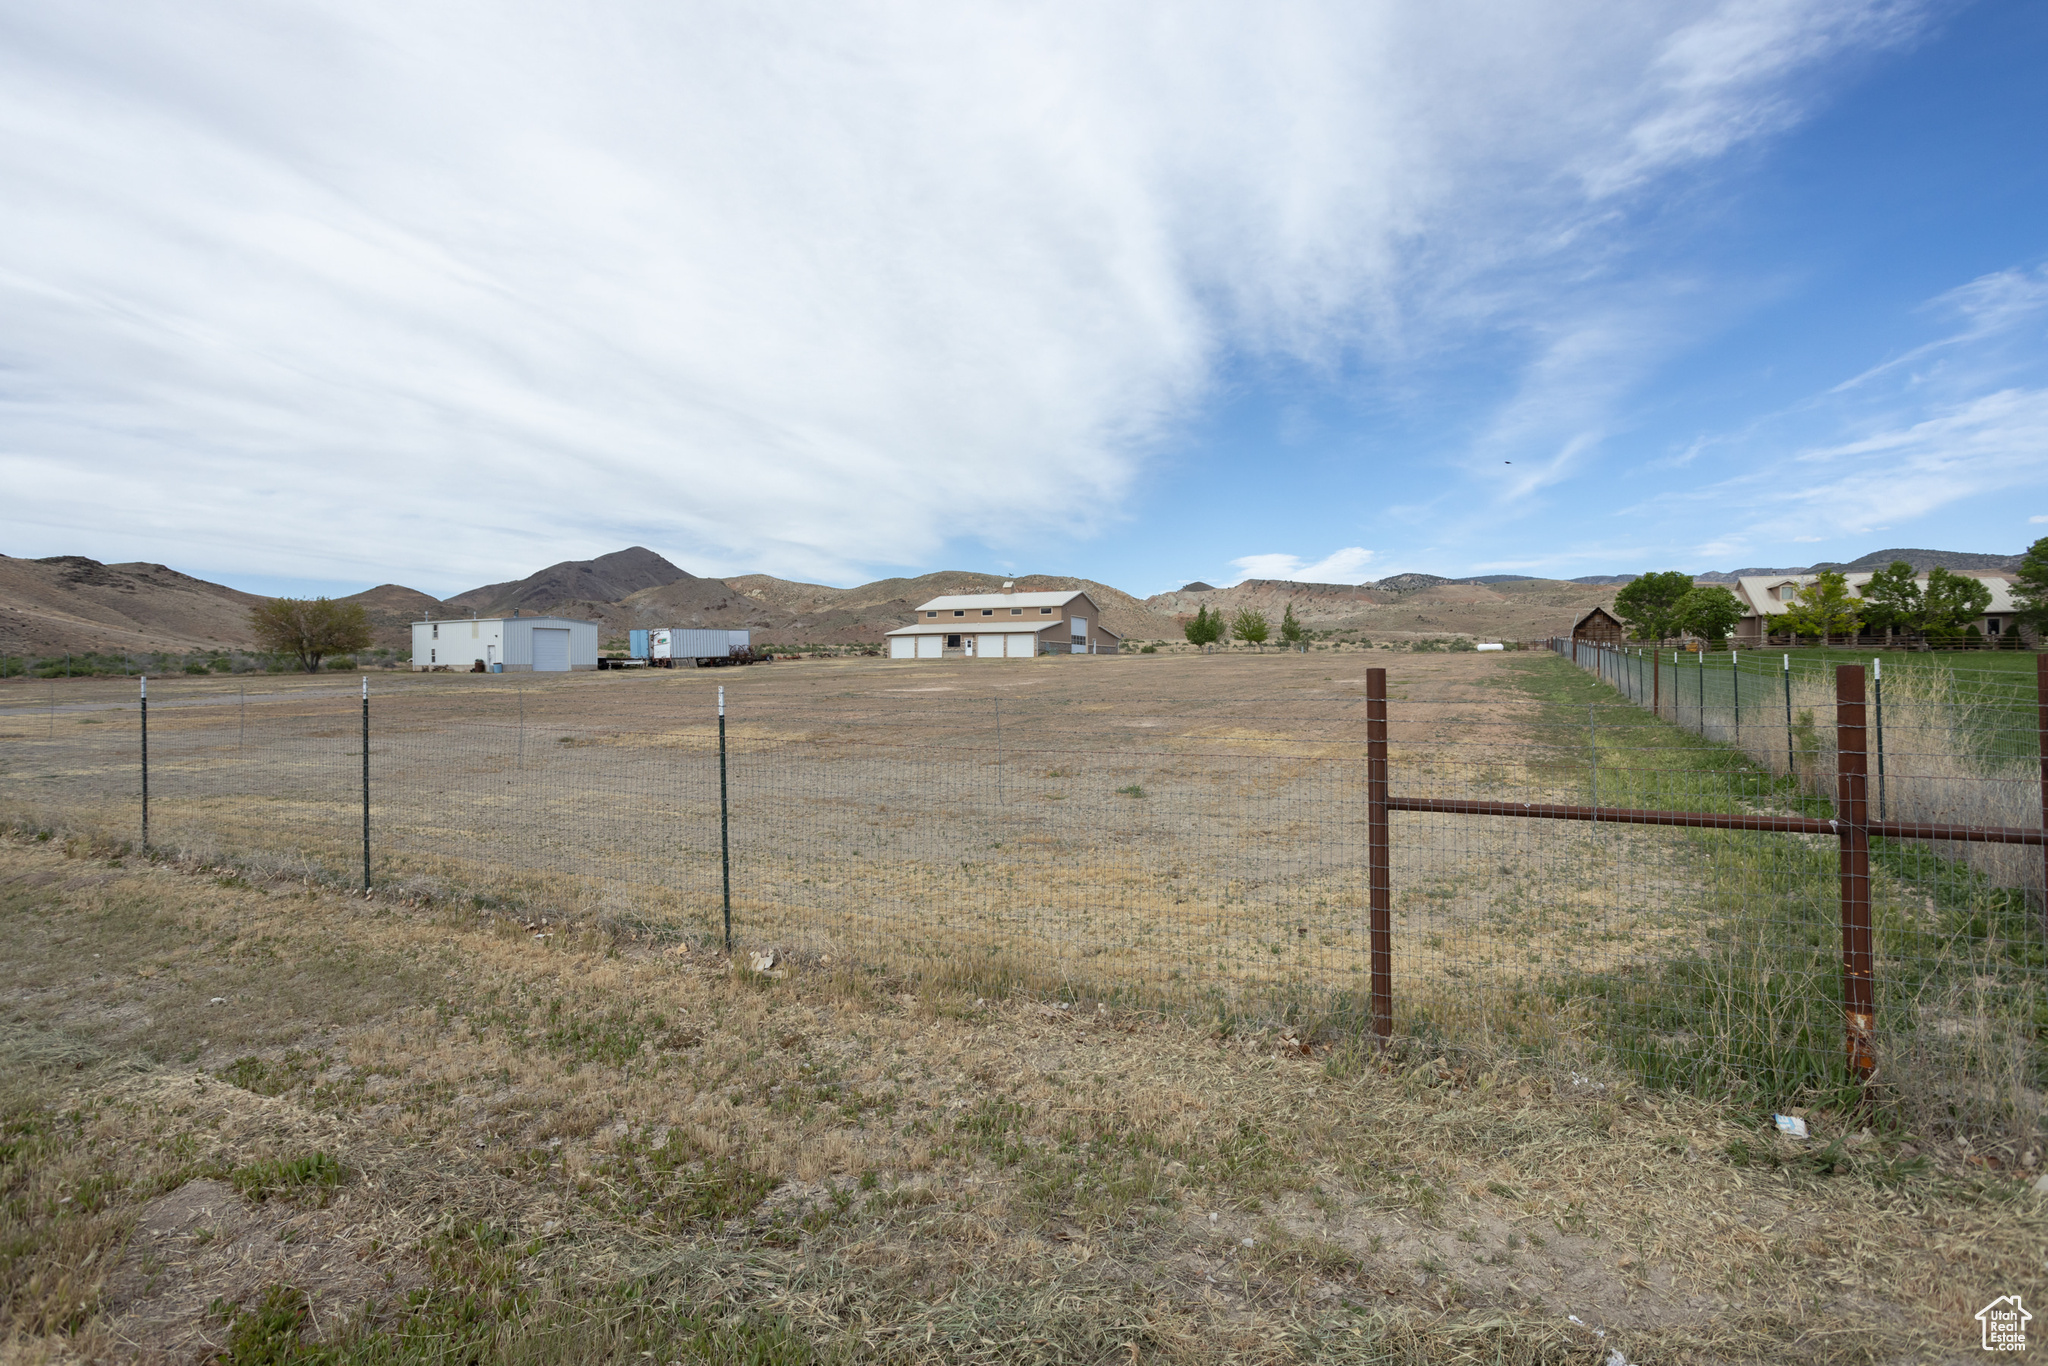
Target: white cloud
[[446, 291], [1894, 473], [1343, 566], [2037, 521]]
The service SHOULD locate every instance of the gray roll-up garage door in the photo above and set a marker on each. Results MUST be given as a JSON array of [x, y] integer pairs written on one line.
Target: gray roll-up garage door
[[550, 650]]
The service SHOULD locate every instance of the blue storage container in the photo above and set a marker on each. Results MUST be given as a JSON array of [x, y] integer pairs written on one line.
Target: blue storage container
[[636, 644]]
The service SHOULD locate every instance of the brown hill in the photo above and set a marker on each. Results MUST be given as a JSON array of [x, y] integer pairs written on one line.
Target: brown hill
[[1403, 606], [606, 579], [70, 603], [393, 608]]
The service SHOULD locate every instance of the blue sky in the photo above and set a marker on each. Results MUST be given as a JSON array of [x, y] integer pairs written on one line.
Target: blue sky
[[316, 298]]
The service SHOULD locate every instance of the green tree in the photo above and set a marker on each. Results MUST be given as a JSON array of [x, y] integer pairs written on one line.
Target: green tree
[[1252, 625], [1648, 605], [1291, 629], [1710, 611], [1954, 602], [310, 628], [2030, 586], [1892, 600], [1823, 608], [1205, 629]]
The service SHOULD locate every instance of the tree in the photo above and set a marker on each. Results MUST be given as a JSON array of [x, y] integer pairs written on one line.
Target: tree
[[2030, 587], [1823, 608], [310, 628], [1953, 602], [1648, 604], [1710, 611], [1206, 628], [1892, 600], [1252, 625], [1290, 628]]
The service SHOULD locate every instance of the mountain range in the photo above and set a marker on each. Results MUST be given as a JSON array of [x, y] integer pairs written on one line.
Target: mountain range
[[70, 603]]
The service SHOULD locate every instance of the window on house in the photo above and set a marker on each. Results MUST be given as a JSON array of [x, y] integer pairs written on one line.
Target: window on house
[[430, 656], [960, 614], [1045, 611], [988, 611], [1016, 611], [1991, 625], [437, 633], [933, 615]]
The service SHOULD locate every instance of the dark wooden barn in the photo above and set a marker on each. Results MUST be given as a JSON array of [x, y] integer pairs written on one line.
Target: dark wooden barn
[[1599, 626]]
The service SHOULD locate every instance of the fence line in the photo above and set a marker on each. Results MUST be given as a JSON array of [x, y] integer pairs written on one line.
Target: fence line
[[1574, 873]]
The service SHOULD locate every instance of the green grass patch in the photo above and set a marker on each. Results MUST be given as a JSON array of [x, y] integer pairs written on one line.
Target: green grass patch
[[1753, 1009]]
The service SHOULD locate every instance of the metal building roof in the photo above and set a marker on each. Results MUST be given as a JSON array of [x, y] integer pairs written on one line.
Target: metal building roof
[[975, 601]]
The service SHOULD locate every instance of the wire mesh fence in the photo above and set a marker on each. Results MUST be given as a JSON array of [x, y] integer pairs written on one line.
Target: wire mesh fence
[[1182, 848]]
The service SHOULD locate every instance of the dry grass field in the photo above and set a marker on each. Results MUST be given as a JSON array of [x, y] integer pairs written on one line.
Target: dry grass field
[[1169, 828], [1059, 1060], [279, 1123]]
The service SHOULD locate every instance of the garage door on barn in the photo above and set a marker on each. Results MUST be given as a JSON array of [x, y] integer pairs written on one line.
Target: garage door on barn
[[550, 651]]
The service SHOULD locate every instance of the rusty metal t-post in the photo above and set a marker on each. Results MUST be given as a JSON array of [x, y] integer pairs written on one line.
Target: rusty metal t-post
[[1852, 818], [1380, 877], [2041, 702]]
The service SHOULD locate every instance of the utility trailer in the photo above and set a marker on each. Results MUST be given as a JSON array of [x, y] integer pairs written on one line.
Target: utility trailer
[[675, 648]]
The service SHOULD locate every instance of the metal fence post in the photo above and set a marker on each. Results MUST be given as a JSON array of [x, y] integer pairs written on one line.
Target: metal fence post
[[1703, 692], [2041, 703], [1735, 691], [724, 824], [1852, 816], [1877, 692], [366, 783], [1380, 878], [1657, 684], [1791, 769], [145, 763]]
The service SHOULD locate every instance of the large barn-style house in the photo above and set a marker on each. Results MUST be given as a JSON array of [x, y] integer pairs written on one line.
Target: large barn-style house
[[1004, 625]]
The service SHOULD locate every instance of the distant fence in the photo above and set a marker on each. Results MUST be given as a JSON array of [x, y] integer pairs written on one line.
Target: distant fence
[[1550, 867]]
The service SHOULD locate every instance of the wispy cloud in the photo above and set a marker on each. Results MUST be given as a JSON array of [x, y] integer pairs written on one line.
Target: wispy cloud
[[1943, 423], [1343, 566], [333, 289]]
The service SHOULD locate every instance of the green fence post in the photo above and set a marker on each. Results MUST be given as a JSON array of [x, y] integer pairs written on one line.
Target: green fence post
[[724, 824]]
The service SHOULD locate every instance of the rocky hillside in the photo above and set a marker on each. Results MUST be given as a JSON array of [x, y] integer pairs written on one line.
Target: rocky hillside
[[1403, 606], [608, 578], [69, 603]]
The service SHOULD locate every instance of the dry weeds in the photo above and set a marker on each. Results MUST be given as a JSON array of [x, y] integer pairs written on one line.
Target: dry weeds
[[884, 1170]]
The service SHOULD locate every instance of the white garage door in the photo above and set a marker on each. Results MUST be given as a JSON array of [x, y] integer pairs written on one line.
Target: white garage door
[[551, 650], [990, 646], [931, 647], [903, 647], [1024, 646]]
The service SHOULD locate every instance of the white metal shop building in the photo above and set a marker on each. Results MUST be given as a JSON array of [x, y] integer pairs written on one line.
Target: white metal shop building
[[504, 644], [1005, 625]]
